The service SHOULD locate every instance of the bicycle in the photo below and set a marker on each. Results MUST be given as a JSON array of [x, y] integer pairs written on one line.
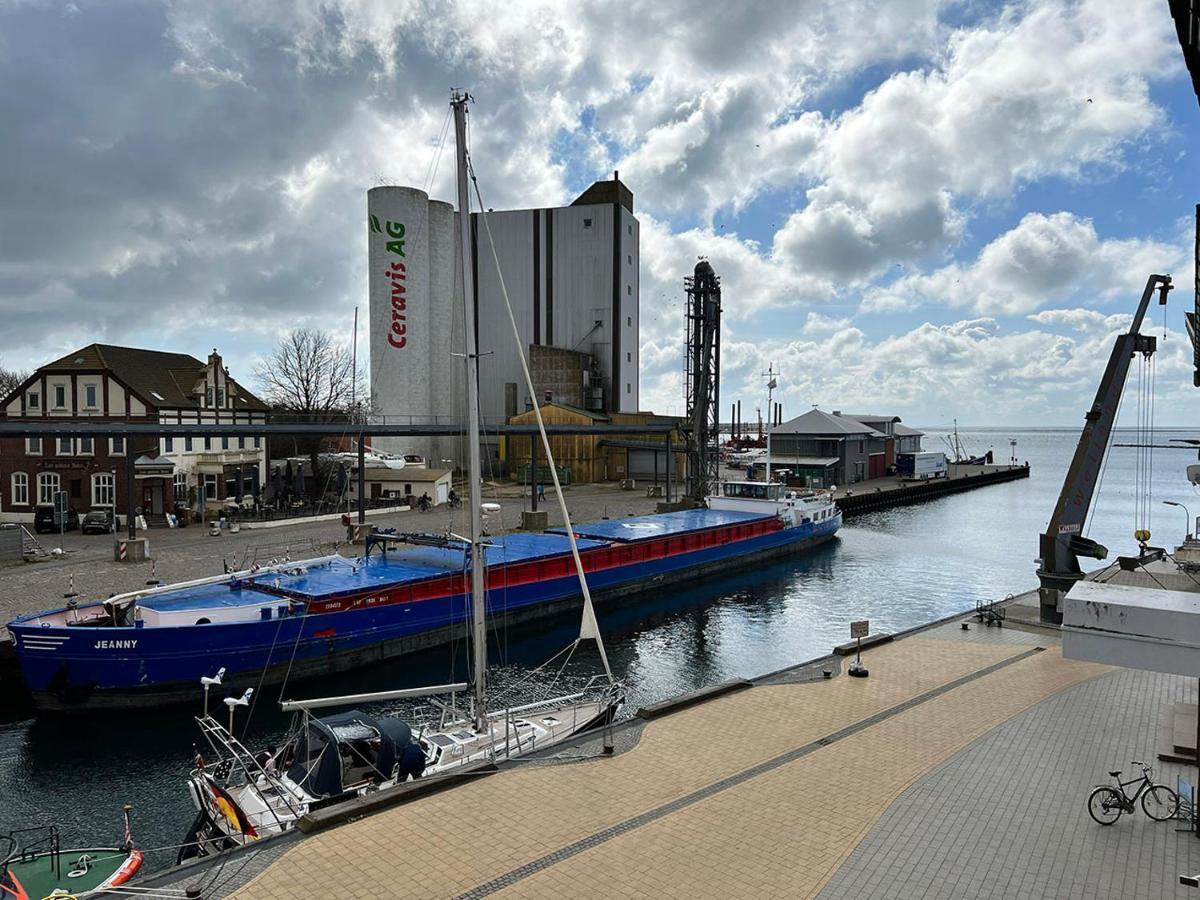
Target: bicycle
[[1106, 803]]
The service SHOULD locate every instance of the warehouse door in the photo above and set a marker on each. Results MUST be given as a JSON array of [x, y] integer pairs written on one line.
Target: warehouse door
[[642, 465], [878, 465]]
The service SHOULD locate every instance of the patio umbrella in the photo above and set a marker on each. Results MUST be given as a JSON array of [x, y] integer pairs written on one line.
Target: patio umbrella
[[341, 479], [276, 482], [288, 478], [240, 492], [299, 473]]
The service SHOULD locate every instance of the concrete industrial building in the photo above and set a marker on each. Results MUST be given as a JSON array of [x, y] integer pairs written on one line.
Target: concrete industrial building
[[572, 277]]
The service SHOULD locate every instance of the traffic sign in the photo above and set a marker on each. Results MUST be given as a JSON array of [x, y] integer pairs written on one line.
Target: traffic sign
[[61, 503], [860, 629]]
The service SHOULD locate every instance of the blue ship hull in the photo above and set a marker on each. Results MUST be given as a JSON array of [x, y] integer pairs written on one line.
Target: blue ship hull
[[107, 667]]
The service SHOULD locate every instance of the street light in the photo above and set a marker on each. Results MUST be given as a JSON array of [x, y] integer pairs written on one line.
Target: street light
[[1185, 512]]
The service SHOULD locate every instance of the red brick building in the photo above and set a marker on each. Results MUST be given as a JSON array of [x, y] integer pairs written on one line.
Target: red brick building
[[103, 383]]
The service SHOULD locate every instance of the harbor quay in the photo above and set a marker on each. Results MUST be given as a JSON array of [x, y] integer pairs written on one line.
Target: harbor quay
[[959, 767], [892, 490]]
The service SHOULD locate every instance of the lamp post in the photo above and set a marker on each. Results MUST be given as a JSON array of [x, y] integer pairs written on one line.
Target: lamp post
[[1188, 536]]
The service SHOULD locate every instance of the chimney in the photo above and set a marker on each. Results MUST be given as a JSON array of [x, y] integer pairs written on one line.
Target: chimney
[[549, 396], [837, 412], [616, 175]]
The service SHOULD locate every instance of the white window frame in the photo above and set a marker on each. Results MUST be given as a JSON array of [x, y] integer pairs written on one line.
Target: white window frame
[[112, 446], [33, 400], [168, 445], [215, 482], [20, 489], [58, 447], [181, 487], [104, 484], [91, 396], [57, 403], [29, 448], [48, 484], [91, 448]]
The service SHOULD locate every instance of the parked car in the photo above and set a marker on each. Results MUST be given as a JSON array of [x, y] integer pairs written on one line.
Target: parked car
[[43, 519], [99, 521]]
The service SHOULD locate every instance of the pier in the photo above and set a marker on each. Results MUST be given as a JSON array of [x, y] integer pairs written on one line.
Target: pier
[[796, 785], [883, 493]]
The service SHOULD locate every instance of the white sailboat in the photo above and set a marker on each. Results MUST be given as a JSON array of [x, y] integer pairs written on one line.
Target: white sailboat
[[243, 796]]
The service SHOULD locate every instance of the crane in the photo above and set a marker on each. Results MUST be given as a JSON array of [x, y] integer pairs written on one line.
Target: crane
[[1062, 544]]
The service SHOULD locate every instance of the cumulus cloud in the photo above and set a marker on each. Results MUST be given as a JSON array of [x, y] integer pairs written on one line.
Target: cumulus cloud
[[1041, 260], [891, 174], [974, 369], [194, 174]]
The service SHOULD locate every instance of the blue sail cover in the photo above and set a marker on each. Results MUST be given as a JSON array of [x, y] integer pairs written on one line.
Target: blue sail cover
[[317, 752]]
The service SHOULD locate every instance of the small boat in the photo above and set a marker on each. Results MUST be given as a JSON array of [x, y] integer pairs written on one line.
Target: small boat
[[245, 797], [34, 865]]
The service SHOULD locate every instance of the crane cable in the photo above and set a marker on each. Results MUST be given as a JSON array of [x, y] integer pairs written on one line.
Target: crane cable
[[1144, 460]]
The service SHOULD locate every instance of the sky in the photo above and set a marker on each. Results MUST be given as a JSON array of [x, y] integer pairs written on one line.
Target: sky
[[932, 209]]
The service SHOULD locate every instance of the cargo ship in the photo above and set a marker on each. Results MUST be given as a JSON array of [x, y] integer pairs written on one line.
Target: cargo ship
[[406, 592]]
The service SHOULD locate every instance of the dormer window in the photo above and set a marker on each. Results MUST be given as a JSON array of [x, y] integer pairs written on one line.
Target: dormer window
[[208, 396]]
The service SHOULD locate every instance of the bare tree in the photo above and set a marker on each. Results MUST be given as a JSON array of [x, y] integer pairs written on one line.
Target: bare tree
[[10, 380], [310, 374], [312, 377]]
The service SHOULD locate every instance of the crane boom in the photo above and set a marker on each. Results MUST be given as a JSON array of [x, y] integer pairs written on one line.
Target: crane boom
[[1062, 543]]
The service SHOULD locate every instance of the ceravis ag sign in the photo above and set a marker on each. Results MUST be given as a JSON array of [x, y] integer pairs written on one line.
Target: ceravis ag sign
[[397, 273]]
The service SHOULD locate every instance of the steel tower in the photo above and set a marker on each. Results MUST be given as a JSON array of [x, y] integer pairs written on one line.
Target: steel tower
[[703, 378]]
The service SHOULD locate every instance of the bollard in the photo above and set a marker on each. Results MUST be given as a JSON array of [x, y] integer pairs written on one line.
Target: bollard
[[71, 592], [153, 582], [608, 740]]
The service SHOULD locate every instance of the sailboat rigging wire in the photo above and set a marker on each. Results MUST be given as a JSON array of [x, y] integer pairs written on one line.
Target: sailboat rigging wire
[[435, 159], [589, 626]]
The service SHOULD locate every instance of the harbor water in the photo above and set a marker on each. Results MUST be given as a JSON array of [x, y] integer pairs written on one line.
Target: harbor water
[[898, 568]]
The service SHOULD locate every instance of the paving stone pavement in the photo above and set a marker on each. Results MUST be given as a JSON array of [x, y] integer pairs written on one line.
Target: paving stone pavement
[[761, 793], [1006, 817]]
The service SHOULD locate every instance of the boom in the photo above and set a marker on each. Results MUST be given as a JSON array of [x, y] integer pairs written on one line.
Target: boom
[[1062, 544]]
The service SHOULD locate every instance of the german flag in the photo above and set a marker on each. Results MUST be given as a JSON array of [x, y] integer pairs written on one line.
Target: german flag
[[227, 807]]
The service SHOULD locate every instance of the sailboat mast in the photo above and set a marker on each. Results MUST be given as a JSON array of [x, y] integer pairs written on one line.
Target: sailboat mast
[[458, 101]]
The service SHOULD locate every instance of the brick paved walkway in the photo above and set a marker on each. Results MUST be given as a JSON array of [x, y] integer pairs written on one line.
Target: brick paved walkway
[[765, 792], [1006, 818]]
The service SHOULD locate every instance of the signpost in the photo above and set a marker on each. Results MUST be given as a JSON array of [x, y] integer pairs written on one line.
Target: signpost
[[858, 631], [61, 505]]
